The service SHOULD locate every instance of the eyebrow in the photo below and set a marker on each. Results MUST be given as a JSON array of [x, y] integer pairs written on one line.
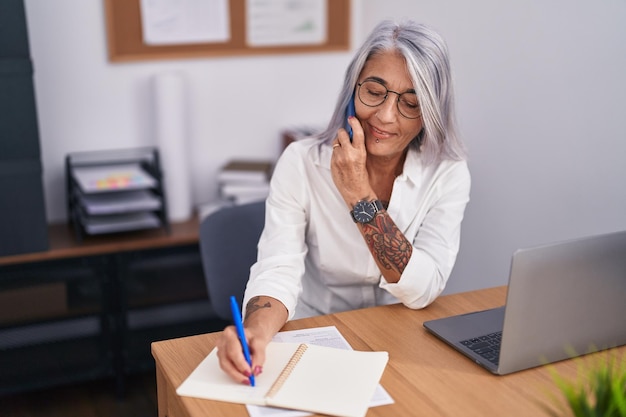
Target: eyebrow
[[383, 82]]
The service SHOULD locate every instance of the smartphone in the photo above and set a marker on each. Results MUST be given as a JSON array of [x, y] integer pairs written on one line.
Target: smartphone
[[350, 112]]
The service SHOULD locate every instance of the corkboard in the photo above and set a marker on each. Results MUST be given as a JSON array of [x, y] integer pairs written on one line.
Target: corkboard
[[125, 41]]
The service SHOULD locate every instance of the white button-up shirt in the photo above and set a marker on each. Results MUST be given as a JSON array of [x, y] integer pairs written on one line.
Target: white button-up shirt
[[313, 258]]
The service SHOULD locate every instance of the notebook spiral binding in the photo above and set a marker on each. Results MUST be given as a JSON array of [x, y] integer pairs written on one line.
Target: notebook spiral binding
[[287, 370]]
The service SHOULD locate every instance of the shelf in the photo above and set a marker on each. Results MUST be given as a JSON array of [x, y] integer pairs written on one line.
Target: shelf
[[48, 332], [62, 362], [55, 290], [95, 305], [155, 278]]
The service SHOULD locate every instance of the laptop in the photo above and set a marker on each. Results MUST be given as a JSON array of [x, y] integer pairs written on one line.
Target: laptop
[[563, 300]]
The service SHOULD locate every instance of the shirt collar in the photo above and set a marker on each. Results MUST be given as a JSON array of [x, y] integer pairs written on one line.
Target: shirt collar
[[413, 166]]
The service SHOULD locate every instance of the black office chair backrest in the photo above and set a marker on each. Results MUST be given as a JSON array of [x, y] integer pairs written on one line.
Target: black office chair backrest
[[228, 246]]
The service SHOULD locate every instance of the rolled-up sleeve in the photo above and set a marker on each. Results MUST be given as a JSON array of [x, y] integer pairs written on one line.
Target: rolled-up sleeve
[[282, 248], [436, 239]]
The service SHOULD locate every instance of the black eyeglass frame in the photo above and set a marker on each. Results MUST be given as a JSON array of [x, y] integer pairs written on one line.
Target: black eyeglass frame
[[385, 98]]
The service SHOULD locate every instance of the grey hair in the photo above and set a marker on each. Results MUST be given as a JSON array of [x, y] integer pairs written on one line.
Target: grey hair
[[426, 56]]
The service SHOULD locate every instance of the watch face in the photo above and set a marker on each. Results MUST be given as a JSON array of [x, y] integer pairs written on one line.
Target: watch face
[[363, 211]]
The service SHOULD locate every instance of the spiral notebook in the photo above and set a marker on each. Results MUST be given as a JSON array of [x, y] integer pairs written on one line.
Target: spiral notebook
[[297, 376]]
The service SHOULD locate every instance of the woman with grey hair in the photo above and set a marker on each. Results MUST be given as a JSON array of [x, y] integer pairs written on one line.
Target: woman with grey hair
[[368, 217]]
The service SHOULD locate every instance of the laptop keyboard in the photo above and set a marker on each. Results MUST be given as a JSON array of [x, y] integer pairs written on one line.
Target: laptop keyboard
[[487, 346]]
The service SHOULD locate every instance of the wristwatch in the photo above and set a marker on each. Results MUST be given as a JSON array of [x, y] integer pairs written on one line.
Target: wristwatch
[[364, 211]]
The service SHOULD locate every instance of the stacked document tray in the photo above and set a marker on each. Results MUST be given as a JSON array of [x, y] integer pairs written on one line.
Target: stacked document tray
[[115, 191]]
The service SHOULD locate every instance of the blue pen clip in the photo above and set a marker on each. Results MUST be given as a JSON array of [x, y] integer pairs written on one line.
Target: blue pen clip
[[234, 306]]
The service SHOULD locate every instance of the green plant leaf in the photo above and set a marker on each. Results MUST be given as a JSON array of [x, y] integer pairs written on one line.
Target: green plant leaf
[[599, 389]]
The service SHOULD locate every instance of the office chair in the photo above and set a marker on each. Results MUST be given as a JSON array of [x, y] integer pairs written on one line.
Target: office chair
[[228, 247]]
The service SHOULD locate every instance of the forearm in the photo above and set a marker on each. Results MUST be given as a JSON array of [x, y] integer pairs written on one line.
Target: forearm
[[265, 316], [388, 245]]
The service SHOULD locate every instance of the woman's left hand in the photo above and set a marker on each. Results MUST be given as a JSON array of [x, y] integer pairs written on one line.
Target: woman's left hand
[[348, 164]]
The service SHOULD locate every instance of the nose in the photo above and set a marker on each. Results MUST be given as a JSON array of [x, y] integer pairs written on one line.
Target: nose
[[387, 111]]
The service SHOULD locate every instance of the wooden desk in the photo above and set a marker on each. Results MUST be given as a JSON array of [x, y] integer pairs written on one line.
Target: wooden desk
[[424, 376]]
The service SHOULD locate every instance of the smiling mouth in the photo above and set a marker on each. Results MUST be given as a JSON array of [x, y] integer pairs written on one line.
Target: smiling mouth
[[379, 134]]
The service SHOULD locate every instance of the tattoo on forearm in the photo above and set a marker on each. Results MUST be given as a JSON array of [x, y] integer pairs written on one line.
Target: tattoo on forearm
[[253, 306], [387, 243]]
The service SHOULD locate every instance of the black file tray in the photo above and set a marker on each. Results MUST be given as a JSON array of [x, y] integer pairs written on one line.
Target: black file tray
[[115, 191]]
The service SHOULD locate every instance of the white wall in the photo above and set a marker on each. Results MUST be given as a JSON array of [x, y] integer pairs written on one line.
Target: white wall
[[541, 93], [541, 90], [237, 105]]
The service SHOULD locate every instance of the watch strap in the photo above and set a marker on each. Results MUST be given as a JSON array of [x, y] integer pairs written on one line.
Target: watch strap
[[378, 204]]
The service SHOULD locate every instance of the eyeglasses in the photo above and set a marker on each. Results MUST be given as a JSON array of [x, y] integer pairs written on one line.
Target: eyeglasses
[[373, 93]]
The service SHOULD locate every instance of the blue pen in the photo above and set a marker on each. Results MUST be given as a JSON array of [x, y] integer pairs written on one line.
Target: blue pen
[[234, 306]]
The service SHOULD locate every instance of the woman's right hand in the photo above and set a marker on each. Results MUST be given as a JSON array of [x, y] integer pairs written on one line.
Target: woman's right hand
[[260, 325], [231, 358]]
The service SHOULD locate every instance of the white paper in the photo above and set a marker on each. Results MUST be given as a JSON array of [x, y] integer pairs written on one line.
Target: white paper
[[120, 222], [240, 193], [119, 202], [323, 336], [105, 178], [309, 377], [172, 125], [286, 22], [169, 22]]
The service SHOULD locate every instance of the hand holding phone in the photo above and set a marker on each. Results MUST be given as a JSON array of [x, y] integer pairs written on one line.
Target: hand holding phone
[[350, 111]]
